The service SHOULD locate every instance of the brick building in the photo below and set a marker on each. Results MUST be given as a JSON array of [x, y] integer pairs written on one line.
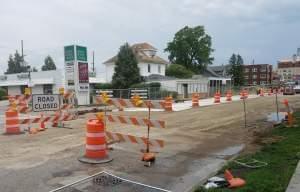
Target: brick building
[[258, 74], [289, 69]]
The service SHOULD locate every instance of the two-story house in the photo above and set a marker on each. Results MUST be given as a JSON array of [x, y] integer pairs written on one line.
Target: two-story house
[[148, 62]]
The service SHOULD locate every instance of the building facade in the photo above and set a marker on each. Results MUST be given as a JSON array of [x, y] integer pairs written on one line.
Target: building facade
[[289, 69], [258, 74], [42, 82], [148, 61]]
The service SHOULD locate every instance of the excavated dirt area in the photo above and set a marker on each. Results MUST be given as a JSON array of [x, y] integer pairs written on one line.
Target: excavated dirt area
[[197, 142]]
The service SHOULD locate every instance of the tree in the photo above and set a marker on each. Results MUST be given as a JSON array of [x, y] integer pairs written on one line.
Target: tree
[[16, 64], [191, 47], [236, 69], [179, 71], [127, 72], [48, 64]]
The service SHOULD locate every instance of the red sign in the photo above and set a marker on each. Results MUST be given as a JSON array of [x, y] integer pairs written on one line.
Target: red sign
[[83, 72]]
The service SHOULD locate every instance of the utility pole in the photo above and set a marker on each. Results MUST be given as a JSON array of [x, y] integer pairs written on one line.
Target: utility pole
[[93, 61], [22, 50]]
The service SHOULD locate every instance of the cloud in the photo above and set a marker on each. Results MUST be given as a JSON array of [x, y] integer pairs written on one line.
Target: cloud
[[263, 30]]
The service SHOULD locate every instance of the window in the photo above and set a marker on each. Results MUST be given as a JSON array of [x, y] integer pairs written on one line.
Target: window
[[246, 76], [159, 69], [254, 69], [254, 76], [263, 76], [246, 70], [48, 89], [254, 83], [149, 68], [263, 69]]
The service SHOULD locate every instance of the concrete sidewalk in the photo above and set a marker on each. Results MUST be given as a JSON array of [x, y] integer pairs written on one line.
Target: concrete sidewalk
[[294, 185]]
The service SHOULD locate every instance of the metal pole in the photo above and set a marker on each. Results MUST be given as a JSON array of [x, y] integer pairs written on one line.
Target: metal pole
[[148, 131], [277, 107], [245, 116]]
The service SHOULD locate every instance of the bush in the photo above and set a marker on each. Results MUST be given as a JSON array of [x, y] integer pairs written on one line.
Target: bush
[[178, 71], [146, 85], [103, 86], [3, 94]]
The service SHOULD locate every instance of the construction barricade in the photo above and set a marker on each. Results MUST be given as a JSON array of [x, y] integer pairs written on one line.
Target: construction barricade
[[195, 100], [217, 97], [229, 95]]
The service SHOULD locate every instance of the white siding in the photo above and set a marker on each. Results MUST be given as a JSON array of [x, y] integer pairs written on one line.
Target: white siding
[[38, 89], [14, 90]]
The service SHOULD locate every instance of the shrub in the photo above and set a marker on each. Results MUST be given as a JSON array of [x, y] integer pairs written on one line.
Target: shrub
[[103, 86], [179, 71], [3, 94]]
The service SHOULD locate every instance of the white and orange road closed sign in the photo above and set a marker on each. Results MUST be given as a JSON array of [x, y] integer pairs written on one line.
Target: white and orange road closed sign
[[45, 103]]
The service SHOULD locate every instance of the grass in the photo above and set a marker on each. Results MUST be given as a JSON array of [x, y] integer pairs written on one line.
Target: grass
[[282, 158]]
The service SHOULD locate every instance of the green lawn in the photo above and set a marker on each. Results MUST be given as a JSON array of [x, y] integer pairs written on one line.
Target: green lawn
[[282, 158]]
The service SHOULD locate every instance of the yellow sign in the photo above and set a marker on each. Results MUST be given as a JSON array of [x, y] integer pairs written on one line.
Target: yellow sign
[[61, 91], [27, 91]]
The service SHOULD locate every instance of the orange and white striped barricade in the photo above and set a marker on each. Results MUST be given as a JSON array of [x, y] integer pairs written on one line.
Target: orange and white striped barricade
[[95, 148], [168, 104], [217, 97], [229, 95], [270, 93], [135, 121], [243, 95], [119, 137], [128, 103], [195, 100], [12, 125], [261, 92]]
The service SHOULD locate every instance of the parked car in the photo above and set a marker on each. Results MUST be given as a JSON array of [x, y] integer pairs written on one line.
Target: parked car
[[288, 90], [297, 89]]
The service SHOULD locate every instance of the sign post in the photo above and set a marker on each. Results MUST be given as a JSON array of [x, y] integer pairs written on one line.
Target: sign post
[[77, 73]]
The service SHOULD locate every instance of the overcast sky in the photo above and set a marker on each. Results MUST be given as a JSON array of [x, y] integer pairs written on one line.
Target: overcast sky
[[263, 30]]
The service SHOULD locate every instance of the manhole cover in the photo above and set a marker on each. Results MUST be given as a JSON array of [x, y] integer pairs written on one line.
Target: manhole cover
[[106, 182]]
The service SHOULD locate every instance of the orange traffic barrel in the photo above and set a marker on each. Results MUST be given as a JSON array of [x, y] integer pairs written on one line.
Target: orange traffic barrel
[[229, 95], [95, 148], [12, 125], [217, 97], [195, 100], [168, 104]]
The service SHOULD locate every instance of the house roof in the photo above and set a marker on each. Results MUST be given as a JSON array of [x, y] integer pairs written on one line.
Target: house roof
[[139, 51], [220, 70]]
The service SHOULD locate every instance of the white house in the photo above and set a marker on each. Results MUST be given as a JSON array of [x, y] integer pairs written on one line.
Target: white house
[[148, 62]]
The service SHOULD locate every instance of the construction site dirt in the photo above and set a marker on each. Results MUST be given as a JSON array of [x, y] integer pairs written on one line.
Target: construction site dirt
[[197, 143]]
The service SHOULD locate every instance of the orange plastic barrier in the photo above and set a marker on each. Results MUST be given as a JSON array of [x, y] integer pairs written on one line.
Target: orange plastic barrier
[[168, 104], [12, 122], [217, 97], [195, 100], [95, 148], [233, 182], [261, 92], [229, 95]]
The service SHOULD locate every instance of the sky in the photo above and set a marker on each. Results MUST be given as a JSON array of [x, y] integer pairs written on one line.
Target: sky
[[260, 30]]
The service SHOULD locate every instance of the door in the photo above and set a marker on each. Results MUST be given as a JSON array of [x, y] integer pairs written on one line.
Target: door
[[185, 91]]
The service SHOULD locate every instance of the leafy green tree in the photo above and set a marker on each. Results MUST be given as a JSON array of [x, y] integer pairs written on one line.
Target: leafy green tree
[[236, 63], [178, 71], [16, 64], [191, 47], [127, 72], [48, 64]]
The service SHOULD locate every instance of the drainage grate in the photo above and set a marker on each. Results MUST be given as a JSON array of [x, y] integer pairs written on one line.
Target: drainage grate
[[106, 182]]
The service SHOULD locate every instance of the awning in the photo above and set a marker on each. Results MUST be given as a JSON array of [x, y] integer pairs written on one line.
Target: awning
[[26, 82]]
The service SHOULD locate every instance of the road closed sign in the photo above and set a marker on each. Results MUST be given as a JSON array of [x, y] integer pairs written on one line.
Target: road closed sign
[[45, 103]]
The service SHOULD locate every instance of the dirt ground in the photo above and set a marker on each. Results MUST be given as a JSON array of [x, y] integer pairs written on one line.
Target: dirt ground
[[192, 138]]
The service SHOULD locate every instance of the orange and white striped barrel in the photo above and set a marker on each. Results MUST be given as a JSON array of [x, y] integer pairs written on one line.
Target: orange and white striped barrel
[[229, 95], [261, 92], [12, 125], [195, 100], [95, 148], [217, 97], [168, 104]]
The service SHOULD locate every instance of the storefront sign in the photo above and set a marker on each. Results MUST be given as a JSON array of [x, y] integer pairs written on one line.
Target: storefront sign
[[69, 53], [83, 73], [45, 103], [81, 53]]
